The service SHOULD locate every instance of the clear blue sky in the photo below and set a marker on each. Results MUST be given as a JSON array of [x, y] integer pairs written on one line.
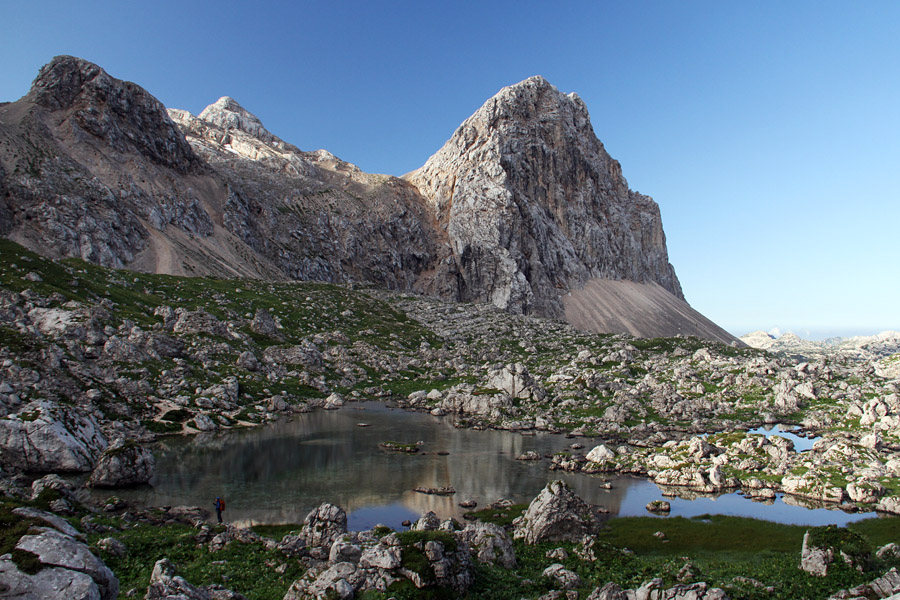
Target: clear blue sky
[[767, 131]]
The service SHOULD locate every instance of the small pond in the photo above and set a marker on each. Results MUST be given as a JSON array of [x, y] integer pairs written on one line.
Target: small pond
[[278, 473], [801, 444]]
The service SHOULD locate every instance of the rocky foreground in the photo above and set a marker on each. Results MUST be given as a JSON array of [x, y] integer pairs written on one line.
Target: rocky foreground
[[552, 550]]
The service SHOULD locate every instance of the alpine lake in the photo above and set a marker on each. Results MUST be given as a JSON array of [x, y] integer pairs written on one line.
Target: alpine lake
[[279, 472]]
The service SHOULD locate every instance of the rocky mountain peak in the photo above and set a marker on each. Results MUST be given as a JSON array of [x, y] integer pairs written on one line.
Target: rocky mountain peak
[[61, 80], [229, 115], [533, 206], [522, 208], [115, 114], [537, 98]]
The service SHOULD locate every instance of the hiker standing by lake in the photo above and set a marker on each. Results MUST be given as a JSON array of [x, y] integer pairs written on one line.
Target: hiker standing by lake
[[220, 508]]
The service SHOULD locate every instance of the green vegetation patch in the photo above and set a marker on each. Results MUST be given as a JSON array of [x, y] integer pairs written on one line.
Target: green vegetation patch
[[407, 447], [276, 532], [707, 534], [244, 568], [502, 517]]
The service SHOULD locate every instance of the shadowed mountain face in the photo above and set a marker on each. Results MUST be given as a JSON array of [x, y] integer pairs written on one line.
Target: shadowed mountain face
[[520, 207]]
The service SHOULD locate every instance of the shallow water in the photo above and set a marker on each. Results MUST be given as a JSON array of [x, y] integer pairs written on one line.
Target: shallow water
[[801, 444], [278, 473]]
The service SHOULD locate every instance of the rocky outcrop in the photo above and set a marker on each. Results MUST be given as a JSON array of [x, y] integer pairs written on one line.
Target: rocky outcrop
[[556, 514], [121, 114], [655, 589], [822, 546], [323, 525], [489, 543], [310, 214], [64, 567], [92, 162], [360, 561], [531, 203], [45, 437], [166, 585], [886, 586], [122, 464]]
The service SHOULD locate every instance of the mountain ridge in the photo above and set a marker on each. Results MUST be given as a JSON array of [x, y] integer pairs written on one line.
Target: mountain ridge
[[97, 168]]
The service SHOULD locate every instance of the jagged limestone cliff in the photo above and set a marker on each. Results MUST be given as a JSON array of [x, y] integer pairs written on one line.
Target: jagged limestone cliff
[[532, 204]]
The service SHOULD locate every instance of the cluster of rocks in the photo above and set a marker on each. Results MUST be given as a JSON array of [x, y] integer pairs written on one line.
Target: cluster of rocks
[[870, 348], [54, 563]]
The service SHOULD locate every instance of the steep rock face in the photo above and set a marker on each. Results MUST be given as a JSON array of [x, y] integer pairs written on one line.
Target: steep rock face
[[531, 204]]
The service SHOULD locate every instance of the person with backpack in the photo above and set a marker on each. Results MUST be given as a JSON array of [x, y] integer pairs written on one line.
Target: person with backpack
[[220, 508]]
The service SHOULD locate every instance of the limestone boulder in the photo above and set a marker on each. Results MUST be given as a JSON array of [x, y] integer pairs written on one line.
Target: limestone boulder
[[562, 577], [68, 559], [45, 437], [123, 464], [600, 453], [556, 514], [166, 585], [822, 546], [489, 543], [47, 584], [323, 525]]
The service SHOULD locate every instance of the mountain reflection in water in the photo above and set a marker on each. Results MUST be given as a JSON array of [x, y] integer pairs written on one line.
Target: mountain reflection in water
[[278, 473]]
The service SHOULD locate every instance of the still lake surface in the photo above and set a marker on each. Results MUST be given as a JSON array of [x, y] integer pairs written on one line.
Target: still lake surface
[[278, 473]]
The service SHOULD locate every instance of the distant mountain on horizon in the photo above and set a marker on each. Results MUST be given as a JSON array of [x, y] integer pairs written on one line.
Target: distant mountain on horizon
[[522, 208], [863, 347]]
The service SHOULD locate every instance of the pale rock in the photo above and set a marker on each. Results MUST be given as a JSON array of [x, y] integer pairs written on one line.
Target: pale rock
[[345, 550], [334, 401], [123, 464], [490, 544], [702, 355], [44, 436], [513, 380], [56, 549], [600, 453], [562, 577], [323, 525], [381, 556], [48, 584], [165, 585], [815, 560], [427, 522], [51, 519], [203, 422], [556, 514], [514, 238]]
